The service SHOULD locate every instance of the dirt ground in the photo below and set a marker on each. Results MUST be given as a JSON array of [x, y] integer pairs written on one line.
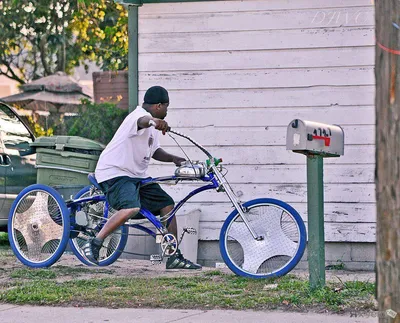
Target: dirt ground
[[69, 267]]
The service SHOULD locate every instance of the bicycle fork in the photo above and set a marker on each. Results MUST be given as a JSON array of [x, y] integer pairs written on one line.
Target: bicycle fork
[[235, 202]]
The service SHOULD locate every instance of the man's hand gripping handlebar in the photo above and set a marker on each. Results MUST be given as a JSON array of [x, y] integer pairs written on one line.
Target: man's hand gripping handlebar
[[159, 125]]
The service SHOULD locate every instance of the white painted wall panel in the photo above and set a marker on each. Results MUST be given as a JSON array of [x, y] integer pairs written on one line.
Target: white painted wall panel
[[265, 78], [273, 116], [261, 98], [249, 5], [260, 59], [262, 136], [334, 193], [271, 155], [239, 71], [334, 232], [257, 40], [333, 173], [334, 212], [257, 20]]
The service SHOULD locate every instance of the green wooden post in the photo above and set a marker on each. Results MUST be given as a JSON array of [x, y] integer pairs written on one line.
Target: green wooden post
[[133, 57], [315, 205]]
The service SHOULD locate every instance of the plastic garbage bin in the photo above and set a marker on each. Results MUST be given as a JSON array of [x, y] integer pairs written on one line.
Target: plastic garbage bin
[[65, 161]]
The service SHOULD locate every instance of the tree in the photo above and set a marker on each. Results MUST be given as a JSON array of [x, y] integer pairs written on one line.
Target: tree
[[41, 37], [388, 158], [96, 121], [104, 38]]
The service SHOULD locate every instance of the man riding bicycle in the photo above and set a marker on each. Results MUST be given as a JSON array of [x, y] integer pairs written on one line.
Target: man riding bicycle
[[123, 165]]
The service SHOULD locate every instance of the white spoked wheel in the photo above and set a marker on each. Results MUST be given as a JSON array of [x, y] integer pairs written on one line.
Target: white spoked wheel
[[280, 246], [113, 245], [38, 226]]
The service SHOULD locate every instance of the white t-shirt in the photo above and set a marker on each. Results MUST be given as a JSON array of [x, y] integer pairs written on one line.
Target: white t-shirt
[[129, 151]]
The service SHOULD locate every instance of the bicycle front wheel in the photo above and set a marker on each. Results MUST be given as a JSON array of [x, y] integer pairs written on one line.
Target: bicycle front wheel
[[281, 245], [113, 245]]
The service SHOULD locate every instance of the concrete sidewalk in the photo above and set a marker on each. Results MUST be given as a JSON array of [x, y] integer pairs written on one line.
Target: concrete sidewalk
[[40, 314]]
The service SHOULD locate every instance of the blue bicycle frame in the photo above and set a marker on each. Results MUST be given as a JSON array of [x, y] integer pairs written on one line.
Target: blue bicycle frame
[[214, 177], [77, 204]]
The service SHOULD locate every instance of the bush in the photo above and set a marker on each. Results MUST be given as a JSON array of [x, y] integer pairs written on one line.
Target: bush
[[4, 239], [96, 121]]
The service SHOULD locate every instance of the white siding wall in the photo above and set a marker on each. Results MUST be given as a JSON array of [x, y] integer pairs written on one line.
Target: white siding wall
[[239, 71]]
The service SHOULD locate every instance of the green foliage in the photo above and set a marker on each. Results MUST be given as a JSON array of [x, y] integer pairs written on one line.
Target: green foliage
[[96, 121], [35, 38], [39, 38], [4, 239], [104, 37], [28, 273], [338, 266], [37, 129], [213, 273]]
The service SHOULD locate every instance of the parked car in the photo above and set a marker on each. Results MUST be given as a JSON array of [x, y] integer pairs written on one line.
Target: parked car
[[17, 160]]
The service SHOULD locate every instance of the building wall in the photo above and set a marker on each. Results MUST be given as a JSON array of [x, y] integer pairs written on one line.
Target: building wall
[[7, 86], [111, 87], [239, 71]]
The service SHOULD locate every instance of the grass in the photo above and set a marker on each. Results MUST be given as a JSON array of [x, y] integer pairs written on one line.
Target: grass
[[211, 289], [5, 249], [4, 239], [33, 274], [338, 266], [57, 271]]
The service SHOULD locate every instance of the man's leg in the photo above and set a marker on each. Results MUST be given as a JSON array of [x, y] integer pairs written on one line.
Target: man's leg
[[172, 227], [93, 246], [122, 194], [118, 219], [177, 261]]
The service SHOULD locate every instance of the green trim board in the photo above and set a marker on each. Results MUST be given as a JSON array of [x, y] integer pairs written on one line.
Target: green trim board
[[133, 57]]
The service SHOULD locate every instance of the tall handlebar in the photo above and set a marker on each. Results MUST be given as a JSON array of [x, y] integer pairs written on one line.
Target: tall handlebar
[[153, 124]]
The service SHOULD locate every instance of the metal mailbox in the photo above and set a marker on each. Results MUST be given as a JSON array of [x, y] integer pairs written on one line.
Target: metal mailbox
[[315, 138]]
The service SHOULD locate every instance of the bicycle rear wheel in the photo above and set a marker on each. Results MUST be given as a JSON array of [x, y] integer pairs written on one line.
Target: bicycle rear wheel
[[113, 245], [38, 226], [280, 249]]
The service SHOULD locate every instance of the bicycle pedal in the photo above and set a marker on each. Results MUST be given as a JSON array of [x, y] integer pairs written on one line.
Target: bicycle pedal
[[190, 230], [155, 259]]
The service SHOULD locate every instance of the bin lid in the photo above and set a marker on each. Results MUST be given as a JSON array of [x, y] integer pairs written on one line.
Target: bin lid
[[62, 142]]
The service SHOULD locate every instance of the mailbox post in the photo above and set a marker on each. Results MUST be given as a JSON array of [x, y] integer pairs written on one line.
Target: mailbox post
[[316, 141]]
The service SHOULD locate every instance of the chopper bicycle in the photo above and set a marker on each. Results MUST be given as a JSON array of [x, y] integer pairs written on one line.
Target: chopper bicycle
[[260, 238]]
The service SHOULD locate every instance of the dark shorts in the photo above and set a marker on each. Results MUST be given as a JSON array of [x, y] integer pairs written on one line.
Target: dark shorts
[[126, 193]]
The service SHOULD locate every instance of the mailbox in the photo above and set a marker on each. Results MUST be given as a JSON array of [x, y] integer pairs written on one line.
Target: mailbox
[[314, 138]]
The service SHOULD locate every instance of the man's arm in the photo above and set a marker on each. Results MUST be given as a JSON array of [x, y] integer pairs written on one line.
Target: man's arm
[[161, 155], [161, 125]]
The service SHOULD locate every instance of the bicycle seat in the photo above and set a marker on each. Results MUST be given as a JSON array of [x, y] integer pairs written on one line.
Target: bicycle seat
[[92, 180]]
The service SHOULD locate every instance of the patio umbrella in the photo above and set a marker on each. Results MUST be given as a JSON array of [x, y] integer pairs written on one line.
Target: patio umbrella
[[58, 92]]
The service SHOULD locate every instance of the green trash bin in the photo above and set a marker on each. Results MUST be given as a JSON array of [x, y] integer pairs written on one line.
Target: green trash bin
[[64, 162]]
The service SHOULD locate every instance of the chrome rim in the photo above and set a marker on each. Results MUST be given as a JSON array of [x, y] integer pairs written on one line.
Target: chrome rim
[[280, 244], [95, 214], [37, 226]]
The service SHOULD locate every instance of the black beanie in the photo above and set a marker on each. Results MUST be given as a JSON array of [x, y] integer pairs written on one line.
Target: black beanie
[[156, 94]]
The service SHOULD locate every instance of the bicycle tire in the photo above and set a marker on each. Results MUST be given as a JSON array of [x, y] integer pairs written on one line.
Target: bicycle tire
[[246, 256], [121, 235], [38, 226]]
